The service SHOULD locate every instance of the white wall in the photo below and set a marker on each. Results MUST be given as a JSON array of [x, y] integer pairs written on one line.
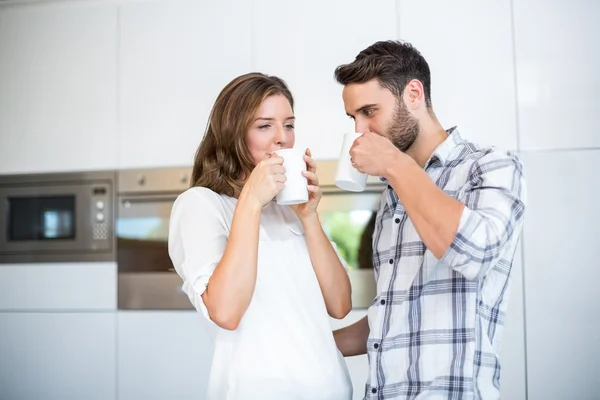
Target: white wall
[[119, 84]]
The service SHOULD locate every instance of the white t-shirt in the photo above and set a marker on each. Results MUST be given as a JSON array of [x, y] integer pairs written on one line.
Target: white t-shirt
[[283, 347]]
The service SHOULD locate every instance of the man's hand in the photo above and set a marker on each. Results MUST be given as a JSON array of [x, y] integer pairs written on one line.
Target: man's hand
[[373, 154]]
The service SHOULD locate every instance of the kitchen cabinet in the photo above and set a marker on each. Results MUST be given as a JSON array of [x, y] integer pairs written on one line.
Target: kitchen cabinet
[[58, 86], [174, 58], [560, 246], [57, 356], [468, 45], [303, 42], [74, 286], [557, 66], [162, 355]]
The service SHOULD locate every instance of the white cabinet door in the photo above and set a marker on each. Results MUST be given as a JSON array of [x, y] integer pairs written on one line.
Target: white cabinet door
[[468, 46], [162, 355], [175, 57], [75, 286], [58, 87], [557, 73], [303, 42], [561, 240], [57, 356]]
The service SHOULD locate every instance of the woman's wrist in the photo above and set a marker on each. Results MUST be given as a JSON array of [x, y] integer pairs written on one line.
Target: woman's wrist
[[248, 202], [309, 219]]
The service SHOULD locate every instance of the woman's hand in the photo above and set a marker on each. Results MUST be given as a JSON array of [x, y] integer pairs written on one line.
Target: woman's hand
[[309, 209], [266, 181]]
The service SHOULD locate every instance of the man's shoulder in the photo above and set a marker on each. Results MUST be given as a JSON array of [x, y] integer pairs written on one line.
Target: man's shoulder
[[472, 153]]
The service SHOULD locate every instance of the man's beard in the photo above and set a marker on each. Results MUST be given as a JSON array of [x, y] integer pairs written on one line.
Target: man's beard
[[404, 128]]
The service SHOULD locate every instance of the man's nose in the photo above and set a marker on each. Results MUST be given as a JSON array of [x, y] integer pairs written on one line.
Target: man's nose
[[360, 126]]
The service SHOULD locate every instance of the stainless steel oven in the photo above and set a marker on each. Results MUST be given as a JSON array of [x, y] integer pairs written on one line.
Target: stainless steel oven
[[147, 279], [145, 198], [57, 217]]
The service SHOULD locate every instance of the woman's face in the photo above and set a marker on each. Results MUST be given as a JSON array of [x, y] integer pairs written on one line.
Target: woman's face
[[272, 128]]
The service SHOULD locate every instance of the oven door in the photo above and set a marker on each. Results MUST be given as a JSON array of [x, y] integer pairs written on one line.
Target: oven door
[[348, 219], [56, 222], [146, 276]]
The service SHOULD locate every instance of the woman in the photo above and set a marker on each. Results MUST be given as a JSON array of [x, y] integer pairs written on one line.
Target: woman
[[265, 276]]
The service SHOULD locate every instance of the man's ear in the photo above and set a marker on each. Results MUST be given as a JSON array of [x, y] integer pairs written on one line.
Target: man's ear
[[414, 94]]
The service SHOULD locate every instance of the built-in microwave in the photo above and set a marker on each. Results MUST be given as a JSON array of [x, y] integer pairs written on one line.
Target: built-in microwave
[[57, 217]]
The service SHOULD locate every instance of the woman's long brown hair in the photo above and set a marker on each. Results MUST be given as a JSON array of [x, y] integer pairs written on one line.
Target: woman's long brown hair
[[223, 160]]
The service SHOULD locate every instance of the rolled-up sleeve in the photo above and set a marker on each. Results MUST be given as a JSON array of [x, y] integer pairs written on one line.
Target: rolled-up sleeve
[[492, 219], [198, 234]]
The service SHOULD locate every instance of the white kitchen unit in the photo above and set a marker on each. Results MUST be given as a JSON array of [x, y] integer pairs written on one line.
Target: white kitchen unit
[[57, 356], [162, 355], [468, 46], [557, 73], [75, 286], [58, 79], [58, 331], [303, 42], [174, 58], [561, 241]]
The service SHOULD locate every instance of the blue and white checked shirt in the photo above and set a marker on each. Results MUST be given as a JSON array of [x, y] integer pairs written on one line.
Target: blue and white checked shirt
[[436, 324]]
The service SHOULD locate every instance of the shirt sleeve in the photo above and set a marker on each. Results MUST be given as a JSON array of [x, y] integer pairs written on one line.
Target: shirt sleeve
[[491, 222], [198, 234]]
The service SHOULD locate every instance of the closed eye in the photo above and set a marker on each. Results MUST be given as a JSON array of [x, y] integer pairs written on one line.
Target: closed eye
[[265, 126], [289, 126]]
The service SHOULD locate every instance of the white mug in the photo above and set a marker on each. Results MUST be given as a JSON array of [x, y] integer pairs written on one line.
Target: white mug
[[347, 177], [295, 190]]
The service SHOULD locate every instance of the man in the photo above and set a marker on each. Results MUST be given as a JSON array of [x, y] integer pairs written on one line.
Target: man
[[444, 239]]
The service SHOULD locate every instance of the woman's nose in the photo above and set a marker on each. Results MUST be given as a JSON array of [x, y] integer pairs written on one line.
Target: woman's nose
[[280, 137]]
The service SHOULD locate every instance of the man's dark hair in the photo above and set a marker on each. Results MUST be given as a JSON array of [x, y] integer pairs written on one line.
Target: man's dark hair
[[392, 63]]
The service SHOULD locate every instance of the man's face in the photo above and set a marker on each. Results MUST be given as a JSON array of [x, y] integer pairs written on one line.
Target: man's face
[[376, 109]]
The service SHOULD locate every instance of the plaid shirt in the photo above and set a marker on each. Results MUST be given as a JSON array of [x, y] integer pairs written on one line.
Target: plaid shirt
[[436, 324]]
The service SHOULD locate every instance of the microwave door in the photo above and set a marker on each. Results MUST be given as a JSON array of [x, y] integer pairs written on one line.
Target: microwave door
[[59, 220]]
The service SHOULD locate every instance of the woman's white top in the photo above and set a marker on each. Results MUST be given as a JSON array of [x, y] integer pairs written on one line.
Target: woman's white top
[[283, 348]]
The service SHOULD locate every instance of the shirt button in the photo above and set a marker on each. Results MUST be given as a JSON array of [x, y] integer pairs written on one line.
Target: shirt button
[[374, 390], [382, 301], [376, 345], [397, 220], [391, 261]]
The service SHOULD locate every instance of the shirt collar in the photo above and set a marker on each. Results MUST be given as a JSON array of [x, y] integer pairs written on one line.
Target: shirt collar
[[442, 153]]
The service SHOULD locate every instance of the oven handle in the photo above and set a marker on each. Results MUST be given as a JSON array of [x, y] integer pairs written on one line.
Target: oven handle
[[158, 198]]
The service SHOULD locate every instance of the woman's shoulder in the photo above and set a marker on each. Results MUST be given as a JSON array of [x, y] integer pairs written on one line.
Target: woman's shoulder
[[201, 198]]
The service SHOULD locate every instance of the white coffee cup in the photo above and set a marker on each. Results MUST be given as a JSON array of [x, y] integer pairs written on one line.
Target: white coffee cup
[[347, 177], [295, 191]]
